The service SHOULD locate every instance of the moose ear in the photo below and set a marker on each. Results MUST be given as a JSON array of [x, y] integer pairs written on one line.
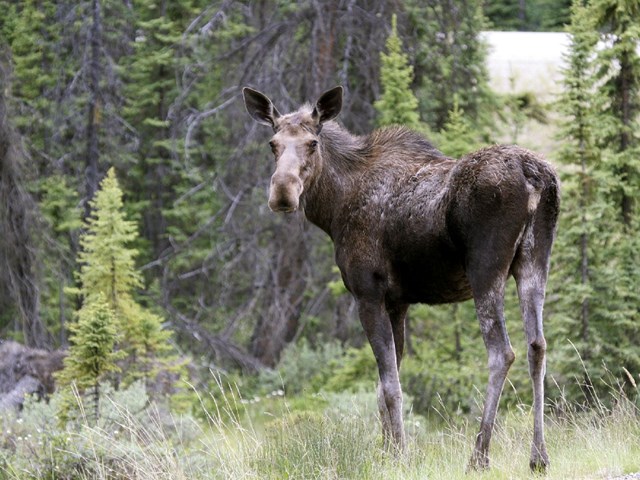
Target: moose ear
[[260, 107], [328, 105]]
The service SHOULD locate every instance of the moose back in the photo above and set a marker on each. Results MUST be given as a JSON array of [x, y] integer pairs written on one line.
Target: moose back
[[410, 225]]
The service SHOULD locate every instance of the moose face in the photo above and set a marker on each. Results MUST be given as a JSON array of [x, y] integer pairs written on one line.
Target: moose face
[[295, 144]]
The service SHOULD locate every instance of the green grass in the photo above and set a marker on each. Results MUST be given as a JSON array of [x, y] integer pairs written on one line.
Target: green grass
[[337, 438]]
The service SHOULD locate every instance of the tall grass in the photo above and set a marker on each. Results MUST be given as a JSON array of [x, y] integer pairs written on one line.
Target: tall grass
[[136, 439]]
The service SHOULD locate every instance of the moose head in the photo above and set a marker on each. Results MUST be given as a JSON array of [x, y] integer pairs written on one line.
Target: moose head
[[295, 143]]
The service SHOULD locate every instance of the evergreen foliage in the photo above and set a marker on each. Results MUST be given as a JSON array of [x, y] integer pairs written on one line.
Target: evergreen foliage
[[91, 353], [397, 104], [108, 271], [155, 86], [594, 262], [618, 74], [457, 138], [618, 68], [529, 15], [450, 62], [518, 109]]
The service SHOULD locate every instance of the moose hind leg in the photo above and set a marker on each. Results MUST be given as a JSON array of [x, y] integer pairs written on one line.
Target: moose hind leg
[[489, 308], [531, 282]]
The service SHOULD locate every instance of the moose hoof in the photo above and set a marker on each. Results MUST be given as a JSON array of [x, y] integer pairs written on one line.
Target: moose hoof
[[479, 462], [539, 462]]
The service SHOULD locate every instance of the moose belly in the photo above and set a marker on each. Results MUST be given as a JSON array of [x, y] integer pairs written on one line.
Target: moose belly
[[432, 280]]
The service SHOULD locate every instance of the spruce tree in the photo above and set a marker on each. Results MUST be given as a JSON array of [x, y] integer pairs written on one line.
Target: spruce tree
[[618, 64], [619, 70], [91, 351], [582, 214], [457, 138], [397, 105], [450, 61], [595, 269], [151, 91], [108, 270]]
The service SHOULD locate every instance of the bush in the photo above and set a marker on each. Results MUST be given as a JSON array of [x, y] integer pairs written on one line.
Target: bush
[[302, 368]]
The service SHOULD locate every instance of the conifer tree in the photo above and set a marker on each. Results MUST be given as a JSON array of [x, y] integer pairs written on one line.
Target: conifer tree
[[619, 69], [108, 266], [151, 91], [618, 22], [108, 270], [397, 104], [33, 50], [594, 259], [579, 222], [457, 137], [91, 352], [450, 61]]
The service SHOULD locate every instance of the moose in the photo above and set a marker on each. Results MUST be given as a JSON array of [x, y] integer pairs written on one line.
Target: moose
[[411, 225]]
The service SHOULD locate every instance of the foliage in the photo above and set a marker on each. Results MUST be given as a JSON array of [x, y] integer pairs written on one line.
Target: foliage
[[153, 88], [302, 368], [519, 108], [91, 353], [450, 62], [397, 104], [595, 260], [108, 274], [528, 16], [457, 138], [139, 440], [353, 372]]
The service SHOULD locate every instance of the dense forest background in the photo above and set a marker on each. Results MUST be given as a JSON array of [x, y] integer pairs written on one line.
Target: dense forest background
[[152, 88]]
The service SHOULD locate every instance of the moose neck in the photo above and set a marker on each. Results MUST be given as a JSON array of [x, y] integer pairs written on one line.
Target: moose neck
[[342, 157]]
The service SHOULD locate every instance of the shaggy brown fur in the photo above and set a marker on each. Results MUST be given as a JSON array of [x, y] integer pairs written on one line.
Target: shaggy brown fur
[[411, 225]]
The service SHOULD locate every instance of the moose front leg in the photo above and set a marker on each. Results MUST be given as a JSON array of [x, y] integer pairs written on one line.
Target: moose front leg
[[380, 333]]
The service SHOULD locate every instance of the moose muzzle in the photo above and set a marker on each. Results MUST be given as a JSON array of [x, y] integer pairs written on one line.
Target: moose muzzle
[[284, 195]]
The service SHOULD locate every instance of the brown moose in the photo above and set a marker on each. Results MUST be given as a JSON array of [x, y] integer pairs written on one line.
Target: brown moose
[[410, 225]]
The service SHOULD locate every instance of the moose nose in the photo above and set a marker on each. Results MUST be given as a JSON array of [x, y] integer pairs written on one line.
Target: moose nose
[[286, 189]]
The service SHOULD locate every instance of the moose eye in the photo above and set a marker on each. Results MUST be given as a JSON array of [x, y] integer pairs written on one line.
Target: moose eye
[[272, 145], [313, 144]]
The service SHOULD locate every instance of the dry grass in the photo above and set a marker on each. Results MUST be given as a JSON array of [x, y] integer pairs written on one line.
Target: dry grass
[[342, 441]]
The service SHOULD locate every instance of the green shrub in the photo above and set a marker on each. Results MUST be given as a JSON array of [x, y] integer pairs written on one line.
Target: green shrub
[[302, 368], [355, 371]]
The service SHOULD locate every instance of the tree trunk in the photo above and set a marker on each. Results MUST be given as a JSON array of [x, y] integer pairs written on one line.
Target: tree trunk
[[93, 112], [625, 82], [522, 14], [584, 257], [18, 263]]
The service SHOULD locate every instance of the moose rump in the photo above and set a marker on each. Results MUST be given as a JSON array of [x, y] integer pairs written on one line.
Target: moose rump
[[411, 225]]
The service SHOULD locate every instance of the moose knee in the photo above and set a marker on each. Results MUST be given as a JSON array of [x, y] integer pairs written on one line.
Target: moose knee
[[538, 346], [501, 360]]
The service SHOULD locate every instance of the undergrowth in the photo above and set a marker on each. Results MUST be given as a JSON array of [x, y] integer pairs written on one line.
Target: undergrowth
[[334, 435]]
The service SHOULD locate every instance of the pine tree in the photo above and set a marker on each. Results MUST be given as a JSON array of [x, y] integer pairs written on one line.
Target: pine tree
[[397, 104], [91, 352], [619, 69], [457, 137], [595, 269], [450, 61], [108, 270]]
